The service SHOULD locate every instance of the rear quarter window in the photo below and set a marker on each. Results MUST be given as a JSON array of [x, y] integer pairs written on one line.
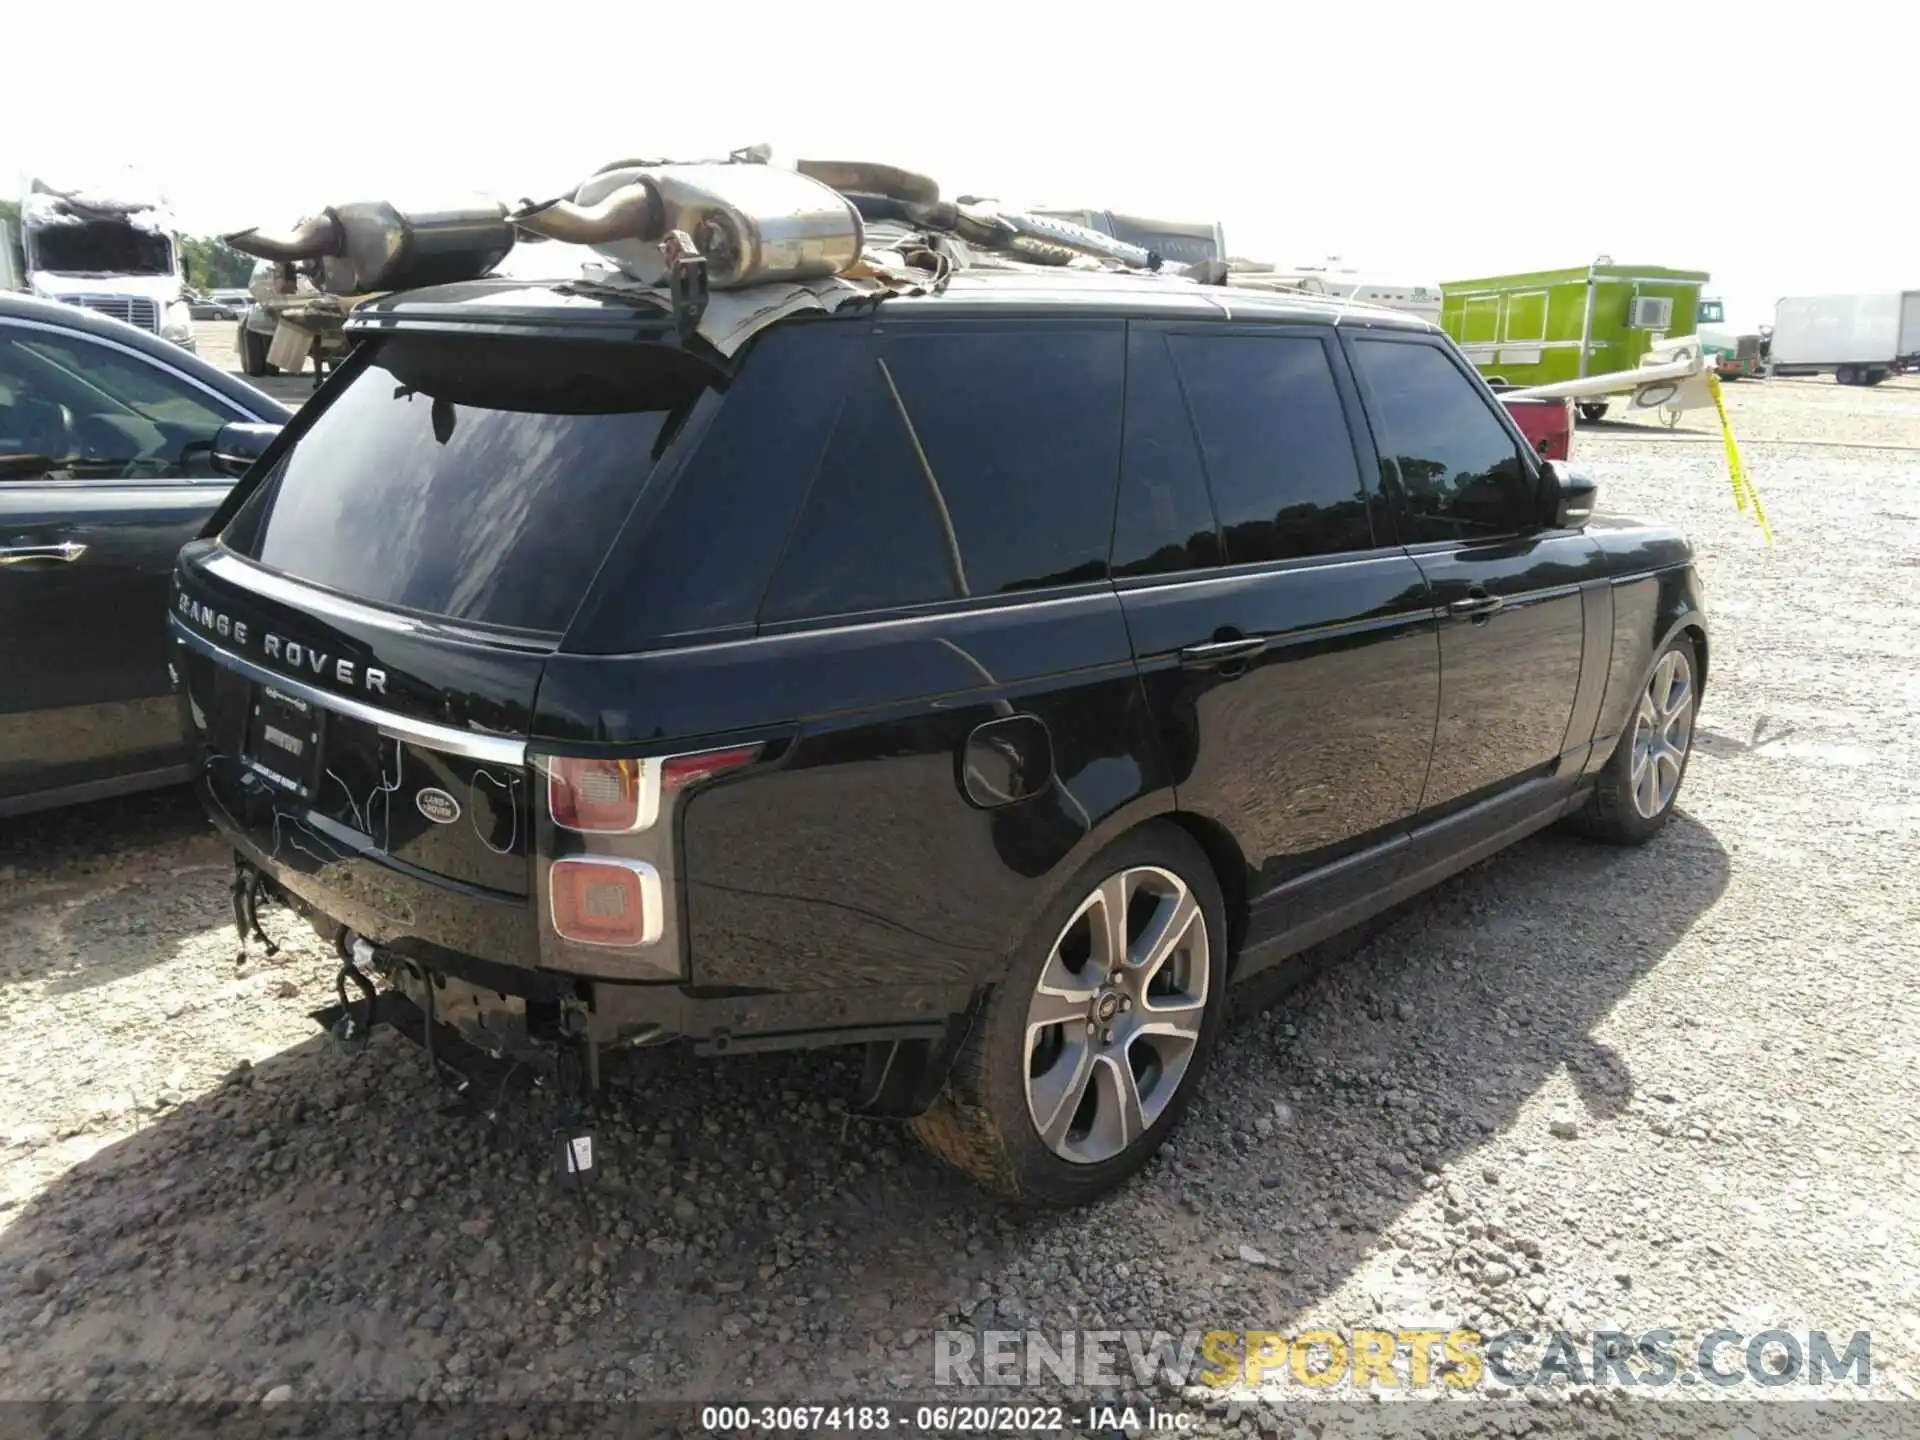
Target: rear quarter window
[[969, 460]]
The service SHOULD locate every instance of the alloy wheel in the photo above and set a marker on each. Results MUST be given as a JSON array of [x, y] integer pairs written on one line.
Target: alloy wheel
[[1116, 1014], [1662, 730]]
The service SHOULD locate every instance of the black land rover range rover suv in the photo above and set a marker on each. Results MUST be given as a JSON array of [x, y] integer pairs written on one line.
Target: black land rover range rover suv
[[988, 677]]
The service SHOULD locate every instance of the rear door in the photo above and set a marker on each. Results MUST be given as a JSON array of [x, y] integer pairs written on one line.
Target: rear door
[[1514, 596], [1286, 641], [104, 474]]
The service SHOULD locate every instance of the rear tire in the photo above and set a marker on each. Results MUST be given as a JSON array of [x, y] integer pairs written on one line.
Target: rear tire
[[1845, 376], [1634, 796], [1105, 1066], [1594, 412]]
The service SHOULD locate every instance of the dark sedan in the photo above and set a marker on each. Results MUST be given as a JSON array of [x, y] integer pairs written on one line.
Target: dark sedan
[[108, 466]]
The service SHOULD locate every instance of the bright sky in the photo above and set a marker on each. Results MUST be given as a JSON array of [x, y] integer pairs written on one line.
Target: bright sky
[[1771, 145]]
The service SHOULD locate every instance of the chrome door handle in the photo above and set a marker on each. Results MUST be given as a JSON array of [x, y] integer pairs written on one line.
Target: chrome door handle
[[1476, 604], [67, 551], [1223, 652]]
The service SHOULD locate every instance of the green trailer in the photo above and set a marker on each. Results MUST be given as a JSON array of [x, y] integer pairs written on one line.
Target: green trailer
[[1548, 326]]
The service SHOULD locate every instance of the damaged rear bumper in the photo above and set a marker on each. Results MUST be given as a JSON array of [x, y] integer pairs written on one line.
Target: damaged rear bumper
[[510, 1011]]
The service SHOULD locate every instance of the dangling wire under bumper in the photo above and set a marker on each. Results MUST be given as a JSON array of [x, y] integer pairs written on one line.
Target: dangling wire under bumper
[[248, 889]]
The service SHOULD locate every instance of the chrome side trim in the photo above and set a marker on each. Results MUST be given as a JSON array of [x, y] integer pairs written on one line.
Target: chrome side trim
[[472, 744]]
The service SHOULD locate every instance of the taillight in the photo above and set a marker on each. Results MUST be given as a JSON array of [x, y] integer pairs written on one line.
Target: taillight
[[677, 772], [606, 902], [603, 797], [611, 867]]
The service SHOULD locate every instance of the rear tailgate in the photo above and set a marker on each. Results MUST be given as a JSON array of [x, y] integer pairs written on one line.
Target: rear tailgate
[[362, 646], [332, 728]]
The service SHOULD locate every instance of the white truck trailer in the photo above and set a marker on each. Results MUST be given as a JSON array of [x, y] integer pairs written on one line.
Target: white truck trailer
[[1861, 339]]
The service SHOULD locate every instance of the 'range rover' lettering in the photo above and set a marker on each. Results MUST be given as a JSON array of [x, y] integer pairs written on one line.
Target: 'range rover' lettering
[[291, 654]]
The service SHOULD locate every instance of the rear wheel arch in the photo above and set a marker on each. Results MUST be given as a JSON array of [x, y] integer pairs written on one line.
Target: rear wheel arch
[[1216, 844], [1229, 869], [1698, 635]]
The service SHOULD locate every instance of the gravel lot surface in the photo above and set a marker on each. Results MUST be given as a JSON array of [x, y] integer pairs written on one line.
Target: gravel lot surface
[[1576, 1087]]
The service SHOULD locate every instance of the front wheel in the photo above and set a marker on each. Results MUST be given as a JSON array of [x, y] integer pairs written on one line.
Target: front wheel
[[1088, 1051], [1634, 795], [1594, 412]]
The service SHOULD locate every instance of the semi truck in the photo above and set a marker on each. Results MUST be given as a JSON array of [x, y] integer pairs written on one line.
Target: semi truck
[[110, 249], [1542, 327], [1861, 339], [1735, 356]]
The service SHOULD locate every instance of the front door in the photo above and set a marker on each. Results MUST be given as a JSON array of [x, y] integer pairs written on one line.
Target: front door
[[104, 474], [1469, 503], [1286, 643]]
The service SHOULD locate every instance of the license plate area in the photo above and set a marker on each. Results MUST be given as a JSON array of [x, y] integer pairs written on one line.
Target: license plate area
[[285, 738]]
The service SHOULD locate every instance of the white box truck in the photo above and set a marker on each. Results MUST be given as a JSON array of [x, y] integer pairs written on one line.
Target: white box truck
[[1861, 339]]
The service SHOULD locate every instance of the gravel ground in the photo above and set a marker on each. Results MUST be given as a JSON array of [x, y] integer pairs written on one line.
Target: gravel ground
[[1576, 1087]]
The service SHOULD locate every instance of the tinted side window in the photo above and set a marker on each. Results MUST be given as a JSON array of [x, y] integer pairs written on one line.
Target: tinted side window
[[705, 535], [1458, 470], [1279, 457], [1164, 522], [74, 410], [966, 462]]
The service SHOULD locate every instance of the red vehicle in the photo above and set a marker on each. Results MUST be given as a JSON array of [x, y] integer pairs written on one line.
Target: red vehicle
[[1548, 424]]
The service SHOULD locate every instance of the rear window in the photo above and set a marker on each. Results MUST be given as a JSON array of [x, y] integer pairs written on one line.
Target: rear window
[[477, 480]]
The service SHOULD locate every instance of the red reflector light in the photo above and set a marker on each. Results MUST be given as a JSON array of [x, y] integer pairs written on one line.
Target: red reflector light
[[602, 797], [605, 902], [678, 772]]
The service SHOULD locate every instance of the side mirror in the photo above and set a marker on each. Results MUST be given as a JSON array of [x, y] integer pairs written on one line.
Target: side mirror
[[238, 445], [1570, 494]]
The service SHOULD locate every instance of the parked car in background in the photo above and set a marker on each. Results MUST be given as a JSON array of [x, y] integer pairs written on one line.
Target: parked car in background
[[1547, 423], [110, 460], [210, 307], [988, 678]]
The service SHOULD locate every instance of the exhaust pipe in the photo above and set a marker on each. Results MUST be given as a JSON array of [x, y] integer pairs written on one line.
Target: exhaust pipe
[[632, 212], [314, 238]]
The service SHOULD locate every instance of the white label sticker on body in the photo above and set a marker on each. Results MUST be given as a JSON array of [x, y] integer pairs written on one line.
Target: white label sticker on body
[[582, 1146]]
